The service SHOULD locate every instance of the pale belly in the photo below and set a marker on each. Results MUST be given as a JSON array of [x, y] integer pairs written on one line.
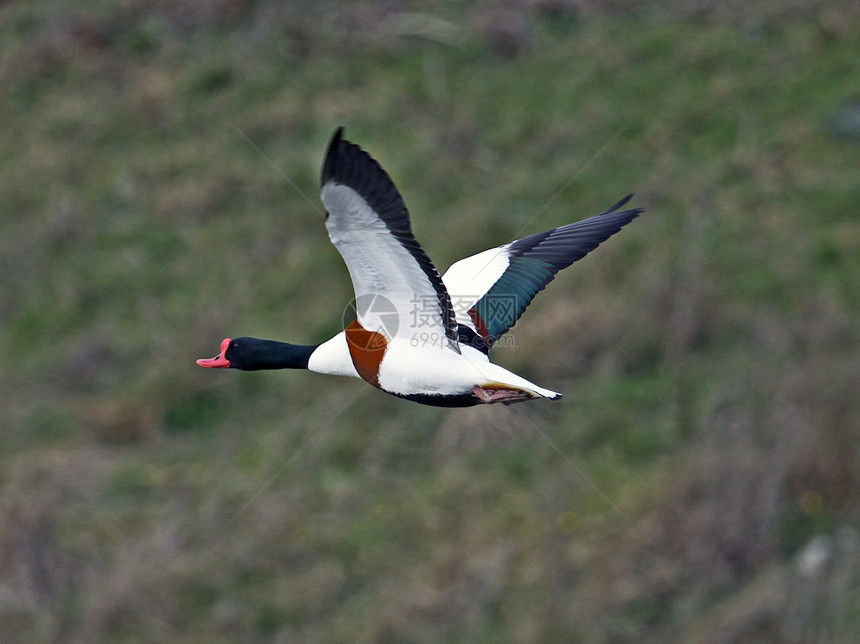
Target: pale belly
[[427, 371], [435, 371]]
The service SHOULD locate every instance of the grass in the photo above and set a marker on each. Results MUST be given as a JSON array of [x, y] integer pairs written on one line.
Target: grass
[[159, 193]]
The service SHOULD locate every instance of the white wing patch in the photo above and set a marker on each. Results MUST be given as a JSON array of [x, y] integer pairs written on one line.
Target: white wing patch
[[469, 279]]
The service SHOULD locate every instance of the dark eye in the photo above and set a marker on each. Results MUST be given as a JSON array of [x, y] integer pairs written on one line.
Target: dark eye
[[326, 216]]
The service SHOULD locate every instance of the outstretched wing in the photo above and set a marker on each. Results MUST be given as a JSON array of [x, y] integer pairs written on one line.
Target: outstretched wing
[[396, 285], [491, 290]]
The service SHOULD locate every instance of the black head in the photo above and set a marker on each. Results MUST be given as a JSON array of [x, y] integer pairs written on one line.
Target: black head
[[252, 354]]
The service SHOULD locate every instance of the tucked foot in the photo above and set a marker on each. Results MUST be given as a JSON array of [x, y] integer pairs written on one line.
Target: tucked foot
[[505, 396]]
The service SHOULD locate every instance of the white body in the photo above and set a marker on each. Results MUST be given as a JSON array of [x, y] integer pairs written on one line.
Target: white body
[[425, 369]]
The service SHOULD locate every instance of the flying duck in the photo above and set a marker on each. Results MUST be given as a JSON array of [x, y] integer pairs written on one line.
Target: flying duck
[[417, 334]]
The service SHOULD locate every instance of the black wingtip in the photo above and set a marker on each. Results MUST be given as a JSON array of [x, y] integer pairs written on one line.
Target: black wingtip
[[336, 139], [621, 203], [630, 214]]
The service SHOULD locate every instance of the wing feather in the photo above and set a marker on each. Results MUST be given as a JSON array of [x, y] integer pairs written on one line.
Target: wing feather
[[491, 290], [368, 223]]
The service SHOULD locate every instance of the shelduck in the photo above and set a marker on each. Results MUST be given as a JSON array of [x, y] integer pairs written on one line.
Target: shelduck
[[417, 334]]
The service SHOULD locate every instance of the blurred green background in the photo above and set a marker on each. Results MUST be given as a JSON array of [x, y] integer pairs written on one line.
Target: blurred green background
[[698, 482]]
